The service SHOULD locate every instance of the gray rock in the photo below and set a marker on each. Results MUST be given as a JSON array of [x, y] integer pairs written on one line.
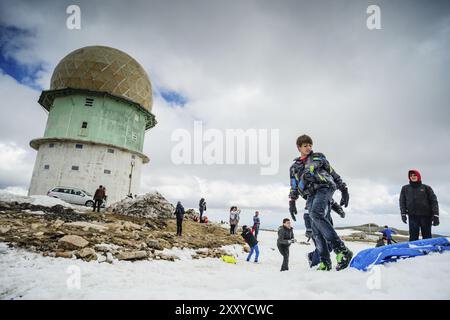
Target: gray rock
[[150, 205], [132, 255]]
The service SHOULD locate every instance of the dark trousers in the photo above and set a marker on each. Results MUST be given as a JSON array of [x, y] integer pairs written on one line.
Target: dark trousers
[[284, 250], [419, 224], [97, 204], [233, 228], [322, 227], [179, 226], [201, 214]]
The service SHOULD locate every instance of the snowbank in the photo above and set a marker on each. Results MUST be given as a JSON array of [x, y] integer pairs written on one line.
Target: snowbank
[[45, 201], [30, 276]]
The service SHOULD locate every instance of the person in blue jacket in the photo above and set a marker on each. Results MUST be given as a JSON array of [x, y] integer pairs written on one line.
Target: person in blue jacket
[[387, 234], [312, 176]]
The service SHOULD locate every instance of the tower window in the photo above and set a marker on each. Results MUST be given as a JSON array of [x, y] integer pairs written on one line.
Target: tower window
[[84, 125], [136, 117], [134, 136], [79, 146], [89, 102], [107, 171], [76, 168], [46, 167], [110, 150], [51, 145]]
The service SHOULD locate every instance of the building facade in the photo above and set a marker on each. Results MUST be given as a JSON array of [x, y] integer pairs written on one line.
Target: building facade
[[99, 106]]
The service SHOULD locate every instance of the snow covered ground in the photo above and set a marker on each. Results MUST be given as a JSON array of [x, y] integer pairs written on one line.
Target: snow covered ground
[[26, 275]]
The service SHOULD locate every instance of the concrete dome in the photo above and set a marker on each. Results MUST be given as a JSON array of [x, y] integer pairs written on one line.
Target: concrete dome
[[100, 68]]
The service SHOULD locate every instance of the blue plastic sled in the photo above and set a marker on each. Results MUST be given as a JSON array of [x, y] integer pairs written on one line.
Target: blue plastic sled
[[365, 259]]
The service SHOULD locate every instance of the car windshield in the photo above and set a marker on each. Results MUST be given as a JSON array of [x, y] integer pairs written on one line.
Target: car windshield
[[87, 193]]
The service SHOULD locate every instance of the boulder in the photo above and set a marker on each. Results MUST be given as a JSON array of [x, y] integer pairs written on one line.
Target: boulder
[[64, 254], [4, 229], [109, 257], [73, 242], [132, 255], [150, 205], [87, 254], [154, 244]]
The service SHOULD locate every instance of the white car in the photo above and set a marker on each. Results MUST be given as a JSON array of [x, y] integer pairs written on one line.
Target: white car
[[73, 195]]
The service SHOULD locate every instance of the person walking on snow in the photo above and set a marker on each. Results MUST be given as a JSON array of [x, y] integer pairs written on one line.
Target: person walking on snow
[[314, 256], [201, 208], [418, 203], [387, 234], [250, 239], [312, 175], [285, 239], [99, 195], [179, 213], [256, 223], [234, 219]]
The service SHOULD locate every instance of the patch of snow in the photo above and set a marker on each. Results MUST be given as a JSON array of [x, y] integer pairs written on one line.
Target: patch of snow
[[27, 275]]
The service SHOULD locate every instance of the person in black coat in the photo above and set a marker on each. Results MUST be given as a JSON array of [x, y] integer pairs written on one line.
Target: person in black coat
[[419, 203], [285, 239], [179, 213], [201, 208], [250, 239]]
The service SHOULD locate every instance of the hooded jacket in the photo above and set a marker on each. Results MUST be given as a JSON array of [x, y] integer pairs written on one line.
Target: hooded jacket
[[179, 211], [418, 199]]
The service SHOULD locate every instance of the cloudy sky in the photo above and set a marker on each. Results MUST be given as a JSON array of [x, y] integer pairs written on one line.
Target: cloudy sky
[[376, 102]]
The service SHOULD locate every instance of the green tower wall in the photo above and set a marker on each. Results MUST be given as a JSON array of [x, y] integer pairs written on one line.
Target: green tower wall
[[108, 120]]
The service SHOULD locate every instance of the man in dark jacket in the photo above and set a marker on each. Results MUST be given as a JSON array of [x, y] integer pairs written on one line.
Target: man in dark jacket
[[250, 239], [179, 213], [201, 208], [99, 195], [285, 239], [256, 224], [419, 203], [313, 178]]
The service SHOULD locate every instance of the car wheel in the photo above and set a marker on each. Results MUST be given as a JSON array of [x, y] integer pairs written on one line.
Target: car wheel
[[89, 203]]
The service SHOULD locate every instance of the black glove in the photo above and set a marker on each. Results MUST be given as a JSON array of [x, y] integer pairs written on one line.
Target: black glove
[[404, 218], [435, 221], [338, 209], [345, 196], [292, 209], [308, 234]]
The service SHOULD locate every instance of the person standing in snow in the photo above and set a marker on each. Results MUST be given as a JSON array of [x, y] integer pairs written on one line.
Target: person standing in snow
[[256, 223], [179, 213], [285, 239], [312, 176], [250, 239], [234, 219], [418, 203], [201, 208], [99, 195], [387, 234]]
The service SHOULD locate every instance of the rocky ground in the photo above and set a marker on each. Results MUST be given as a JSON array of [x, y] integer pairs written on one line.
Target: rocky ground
[[133, 229]]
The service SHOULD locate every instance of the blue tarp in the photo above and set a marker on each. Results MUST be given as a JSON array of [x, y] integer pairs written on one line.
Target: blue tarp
[[390, 253]]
